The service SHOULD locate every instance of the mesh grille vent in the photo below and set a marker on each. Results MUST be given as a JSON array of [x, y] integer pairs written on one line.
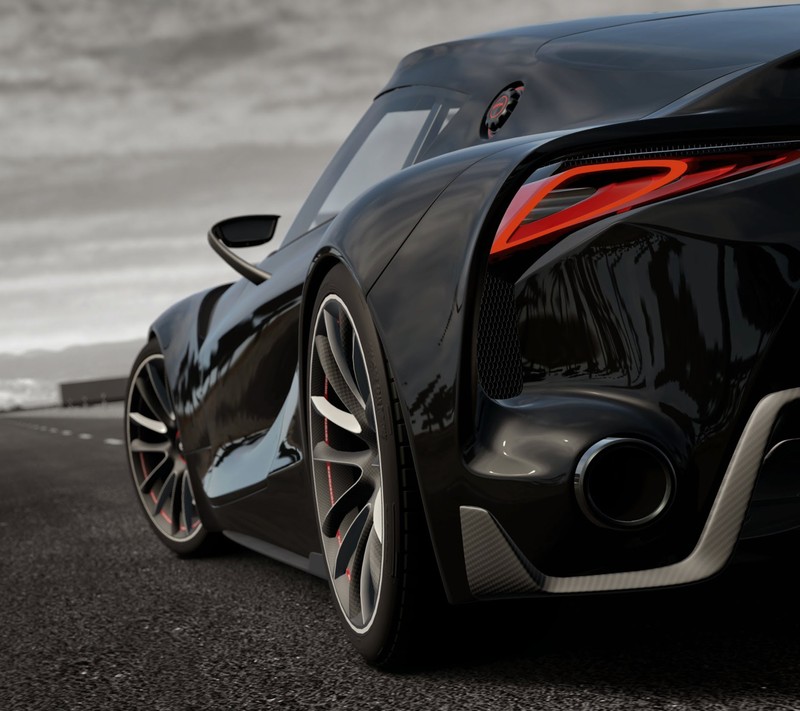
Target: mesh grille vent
[[499, 359]]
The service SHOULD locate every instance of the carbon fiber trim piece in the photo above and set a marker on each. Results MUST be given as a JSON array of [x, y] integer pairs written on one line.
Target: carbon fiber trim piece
[[493, 567], [492, 571]]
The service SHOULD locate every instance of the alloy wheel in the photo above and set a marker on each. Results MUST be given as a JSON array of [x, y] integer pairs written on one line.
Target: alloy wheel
[[347, 471], [156, 454]]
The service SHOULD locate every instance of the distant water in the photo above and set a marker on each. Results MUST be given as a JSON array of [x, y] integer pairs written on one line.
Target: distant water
[[27, 392]]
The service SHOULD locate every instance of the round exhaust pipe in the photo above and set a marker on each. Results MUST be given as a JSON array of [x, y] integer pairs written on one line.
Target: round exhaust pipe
[[623, 482]]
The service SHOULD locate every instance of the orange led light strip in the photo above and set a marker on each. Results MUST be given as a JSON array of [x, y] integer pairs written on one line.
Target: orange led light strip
[[652, 180]]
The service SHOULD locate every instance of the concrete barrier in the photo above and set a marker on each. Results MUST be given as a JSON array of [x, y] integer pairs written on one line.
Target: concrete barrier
[[92, 392]]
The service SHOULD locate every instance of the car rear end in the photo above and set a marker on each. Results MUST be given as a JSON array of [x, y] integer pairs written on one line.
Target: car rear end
[[634, 351], [593, 328]]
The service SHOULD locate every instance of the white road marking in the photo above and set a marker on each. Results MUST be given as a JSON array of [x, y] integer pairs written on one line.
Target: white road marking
[[113, 442], [66, 433], [53, 430], [84, 435]]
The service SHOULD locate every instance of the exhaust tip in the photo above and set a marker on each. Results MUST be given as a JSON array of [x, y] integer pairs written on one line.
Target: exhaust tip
[[623, 482]]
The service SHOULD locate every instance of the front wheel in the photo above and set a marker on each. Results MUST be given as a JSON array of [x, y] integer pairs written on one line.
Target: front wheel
[[155, 457], [372, 530]]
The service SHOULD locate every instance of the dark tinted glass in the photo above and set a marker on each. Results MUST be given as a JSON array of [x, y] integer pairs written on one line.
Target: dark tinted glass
[[397, 131]]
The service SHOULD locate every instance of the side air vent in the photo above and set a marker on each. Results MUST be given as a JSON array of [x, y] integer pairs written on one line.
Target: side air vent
[[499, 360]]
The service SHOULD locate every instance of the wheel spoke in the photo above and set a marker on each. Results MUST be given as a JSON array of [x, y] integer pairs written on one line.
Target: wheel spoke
[[149, 423], [188, 502], [335, 345], [160, 390], [375, 548], [369, 419], [360, 370], [165, 493], [138, 445], [356, 496], [339, 380], [340, 418], [378, 504], [176, 502], [367, 578], [163, 468], [350, 541], [151, 400], [323, 452]]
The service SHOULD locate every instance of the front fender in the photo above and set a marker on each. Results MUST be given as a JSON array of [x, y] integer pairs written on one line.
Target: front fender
[[180, 332]]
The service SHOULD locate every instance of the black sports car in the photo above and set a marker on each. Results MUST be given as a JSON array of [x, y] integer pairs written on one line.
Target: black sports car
[[532, 333]]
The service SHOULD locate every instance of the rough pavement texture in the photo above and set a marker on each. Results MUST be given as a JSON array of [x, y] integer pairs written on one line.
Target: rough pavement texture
[[96, 614]]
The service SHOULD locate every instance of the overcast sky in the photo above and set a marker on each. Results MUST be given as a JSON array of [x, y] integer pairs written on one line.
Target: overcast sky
[[129, 127]]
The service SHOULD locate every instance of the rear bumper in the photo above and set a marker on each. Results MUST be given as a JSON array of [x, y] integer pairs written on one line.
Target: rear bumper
[[496, 567]]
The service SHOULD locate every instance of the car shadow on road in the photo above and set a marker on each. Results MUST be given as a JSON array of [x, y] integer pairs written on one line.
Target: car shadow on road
[[738, 633]]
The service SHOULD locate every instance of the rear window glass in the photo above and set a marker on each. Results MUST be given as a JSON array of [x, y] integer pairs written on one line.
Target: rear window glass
[[400, 129]]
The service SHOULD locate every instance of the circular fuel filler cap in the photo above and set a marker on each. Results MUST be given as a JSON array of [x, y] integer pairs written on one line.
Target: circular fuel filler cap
[[500, 109]]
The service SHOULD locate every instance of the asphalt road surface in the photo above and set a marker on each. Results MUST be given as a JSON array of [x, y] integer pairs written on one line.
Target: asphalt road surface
[[95, 614]]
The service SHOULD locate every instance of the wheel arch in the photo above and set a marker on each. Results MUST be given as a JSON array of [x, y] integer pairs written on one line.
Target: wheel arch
[[321, 266]]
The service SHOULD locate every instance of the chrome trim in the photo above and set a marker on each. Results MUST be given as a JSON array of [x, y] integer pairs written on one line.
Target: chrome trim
[[719, 535]]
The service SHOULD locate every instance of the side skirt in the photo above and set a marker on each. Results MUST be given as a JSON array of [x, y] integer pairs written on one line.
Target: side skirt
[[314, 564]]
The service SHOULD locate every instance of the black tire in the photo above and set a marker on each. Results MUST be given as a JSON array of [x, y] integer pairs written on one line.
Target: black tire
[[158, 471], [386, 626]]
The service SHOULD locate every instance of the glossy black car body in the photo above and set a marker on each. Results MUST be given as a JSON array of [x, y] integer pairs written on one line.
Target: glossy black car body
[[668, 325]]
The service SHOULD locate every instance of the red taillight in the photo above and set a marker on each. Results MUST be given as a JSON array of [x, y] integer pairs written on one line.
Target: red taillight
[[545, 209]]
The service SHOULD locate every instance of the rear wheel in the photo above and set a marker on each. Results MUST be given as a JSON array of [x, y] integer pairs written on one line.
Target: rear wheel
[[372, 530], [155, 456]]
